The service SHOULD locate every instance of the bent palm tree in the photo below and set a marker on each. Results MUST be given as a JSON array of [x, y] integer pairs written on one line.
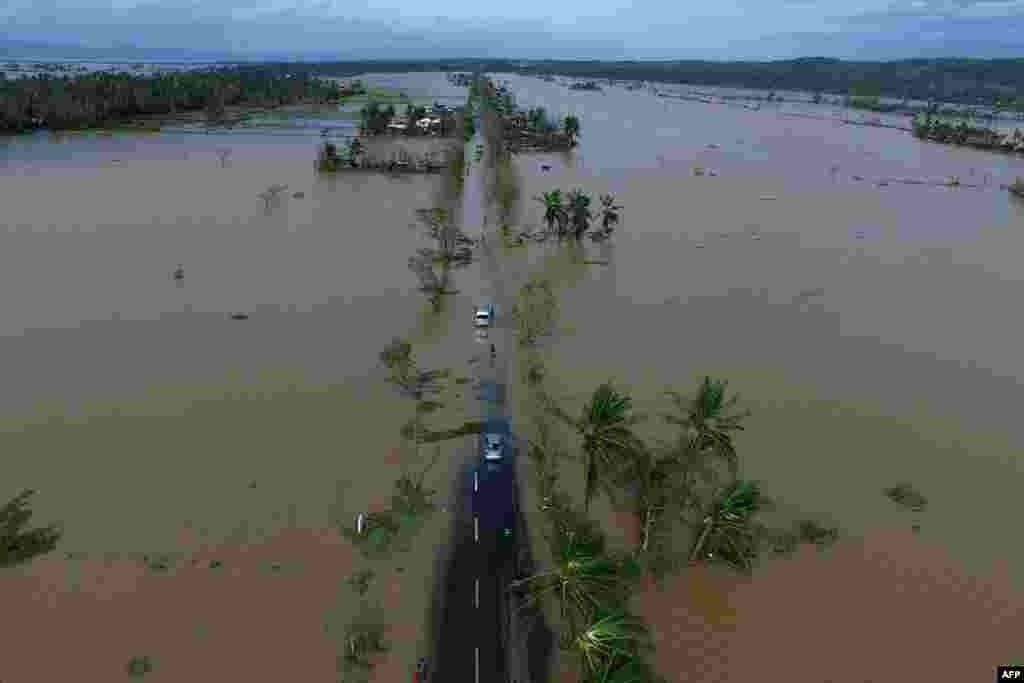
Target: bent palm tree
[[554, 211], [614, 637], [609, 212], [582, 582], [708, 420], [608, 439], [571, 125], [727, 530], [580, 214]]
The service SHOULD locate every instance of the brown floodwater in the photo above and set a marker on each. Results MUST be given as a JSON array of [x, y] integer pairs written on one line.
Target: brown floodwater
[[150, 422], [874, 331]]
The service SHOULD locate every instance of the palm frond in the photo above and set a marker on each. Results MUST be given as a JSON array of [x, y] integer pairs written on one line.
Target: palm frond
[[613, 635]]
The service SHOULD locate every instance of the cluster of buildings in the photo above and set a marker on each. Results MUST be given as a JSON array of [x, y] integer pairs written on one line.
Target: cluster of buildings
[[440, 120]]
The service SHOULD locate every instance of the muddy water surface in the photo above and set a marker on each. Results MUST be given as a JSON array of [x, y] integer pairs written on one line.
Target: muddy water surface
[[872, 330], [152, 424]]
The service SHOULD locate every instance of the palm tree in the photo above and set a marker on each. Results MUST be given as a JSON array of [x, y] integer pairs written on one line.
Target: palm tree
[[572, 128], [727, 530], [708, 420], [613, 638], [652, 470], [554, 211], [579, 211], [582, 581], [609, 212], [609, 443]]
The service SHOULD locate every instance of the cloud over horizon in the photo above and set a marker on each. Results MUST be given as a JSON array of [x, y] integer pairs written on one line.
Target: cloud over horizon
[[599, 29]]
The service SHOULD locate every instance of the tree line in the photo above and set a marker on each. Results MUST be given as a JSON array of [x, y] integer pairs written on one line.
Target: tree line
[[105, 99], [954, 80]]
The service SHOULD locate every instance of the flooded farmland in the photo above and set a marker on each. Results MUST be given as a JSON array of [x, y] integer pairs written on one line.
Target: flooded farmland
[[873, 330], [202, 466]]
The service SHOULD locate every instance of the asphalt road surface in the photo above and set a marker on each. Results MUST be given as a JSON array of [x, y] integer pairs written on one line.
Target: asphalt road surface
[[473, 621]]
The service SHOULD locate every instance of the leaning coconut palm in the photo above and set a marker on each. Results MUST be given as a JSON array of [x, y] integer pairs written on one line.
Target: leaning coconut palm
[[612, 638], [609, 212], [571, 125], [609, 443], [579, 211], [582, 582], [652, 470], [554, 211], [708, 420], [727, 530]]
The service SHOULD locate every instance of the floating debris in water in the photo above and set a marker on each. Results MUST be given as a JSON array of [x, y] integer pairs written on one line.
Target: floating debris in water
[[857, 177], [768, 197], [239, 316], [699, 245], [806, 294], [298, 195]]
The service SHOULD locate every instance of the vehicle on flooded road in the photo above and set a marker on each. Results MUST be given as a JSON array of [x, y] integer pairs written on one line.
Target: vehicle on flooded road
[[484, 316], [494, 438]]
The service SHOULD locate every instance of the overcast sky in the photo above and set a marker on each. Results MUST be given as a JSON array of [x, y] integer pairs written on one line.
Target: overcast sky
[[600, 29]]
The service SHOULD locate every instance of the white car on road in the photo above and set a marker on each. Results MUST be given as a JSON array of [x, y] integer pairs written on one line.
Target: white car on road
[[484, 316]]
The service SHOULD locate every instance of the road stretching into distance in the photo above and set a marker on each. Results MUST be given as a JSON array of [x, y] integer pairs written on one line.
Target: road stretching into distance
[[470, 646]]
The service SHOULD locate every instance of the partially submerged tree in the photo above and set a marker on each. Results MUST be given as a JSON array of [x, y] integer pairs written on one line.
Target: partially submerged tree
[[611, 640], [579, 212], [18, 543], [535, 313], [708, 420], [402, 371], [271, 194], [609, 213], [582, 583], [571, 125], [555, 213], [728, 531], [609, 442]]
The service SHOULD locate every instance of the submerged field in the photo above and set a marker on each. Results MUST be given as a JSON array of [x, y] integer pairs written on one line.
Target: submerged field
[[203, 466], [829, 305]]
